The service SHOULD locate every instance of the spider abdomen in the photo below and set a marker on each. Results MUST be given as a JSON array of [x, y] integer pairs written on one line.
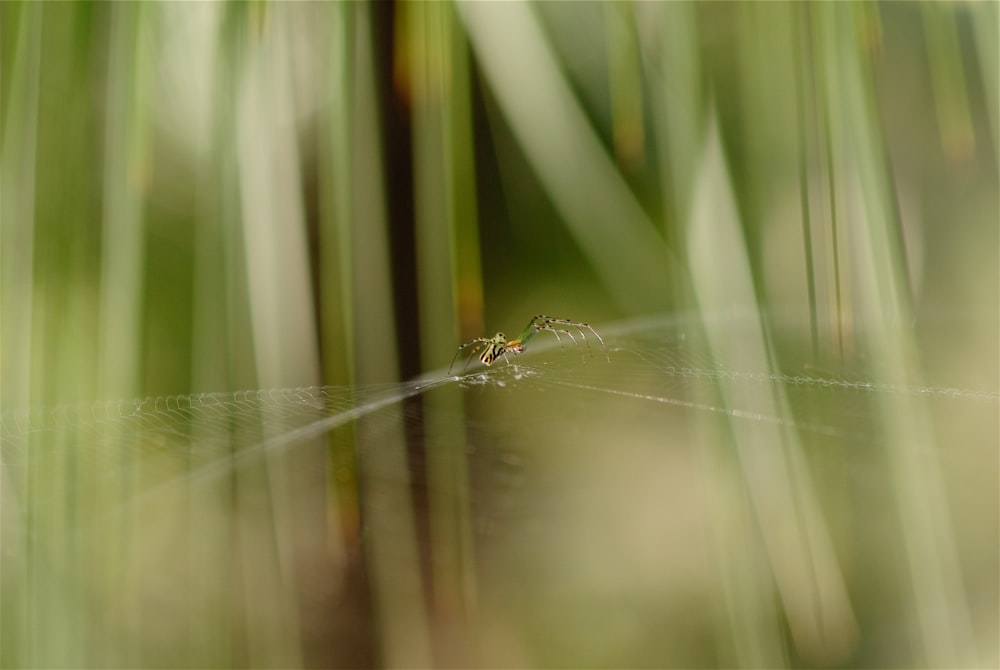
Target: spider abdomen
[[494, 351]]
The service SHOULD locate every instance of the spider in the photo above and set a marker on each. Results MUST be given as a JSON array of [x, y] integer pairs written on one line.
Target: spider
[[492, 348]]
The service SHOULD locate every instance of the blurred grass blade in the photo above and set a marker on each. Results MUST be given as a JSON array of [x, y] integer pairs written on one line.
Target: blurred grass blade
[[359, 328], [602, 214], [804, 79], [445, 211], [885, 304], [794, 533], [126, 179], [391, 549], [221, 353], [273, 217], [283, 331], [674, 70], [338, 224], [985, 19], [951, 100], [20, 25], [628, 126]]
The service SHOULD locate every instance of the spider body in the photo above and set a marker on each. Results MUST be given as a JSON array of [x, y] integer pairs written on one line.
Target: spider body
[[492, 348]]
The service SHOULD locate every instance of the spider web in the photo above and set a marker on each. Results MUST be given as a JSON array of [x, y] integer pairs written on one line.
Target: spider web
[[539, 498]]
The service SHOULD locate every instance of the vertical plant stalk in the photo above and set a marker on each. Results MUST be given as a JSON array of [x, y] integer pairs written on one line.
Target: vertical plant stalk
[[803, 75], [985, 19], [127, 171], [19, 116], [675, 74], [284, 336], [941, 618], [445, 219]]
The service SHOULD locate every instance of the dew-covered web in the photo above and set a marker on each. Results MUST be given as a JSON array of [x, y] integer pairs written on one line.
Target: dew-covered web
[[203, 423], [184, 440], [536, 493], [647, 355], [654, 362], [654, 368]]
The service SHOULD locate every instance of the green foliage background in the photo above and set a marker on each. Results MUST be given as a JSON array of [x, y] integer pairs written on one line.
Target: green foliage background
[[203, 197]]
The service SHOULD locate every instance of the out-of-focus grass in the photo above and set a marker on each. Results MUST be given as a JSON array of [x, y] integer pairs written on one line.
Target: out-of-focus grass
[[209, 197]]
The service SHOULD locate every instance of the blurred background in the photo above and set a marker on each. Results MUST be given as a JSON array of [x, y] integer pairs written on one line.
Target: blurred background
[[274, 223]]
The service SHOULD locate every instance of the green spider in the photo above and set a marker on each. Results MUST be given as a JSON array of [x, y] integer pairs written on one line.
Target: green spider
[[492, 348]]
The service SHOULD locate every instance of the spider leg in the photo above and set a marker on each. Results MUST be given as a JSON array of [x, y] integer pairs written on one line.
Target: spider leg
[[580, 326], [542, 322], [568, 333], [599, 339], [477, 341], [505, 353], [580, 331], [556, 331], [537, 324], [476, 353]]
